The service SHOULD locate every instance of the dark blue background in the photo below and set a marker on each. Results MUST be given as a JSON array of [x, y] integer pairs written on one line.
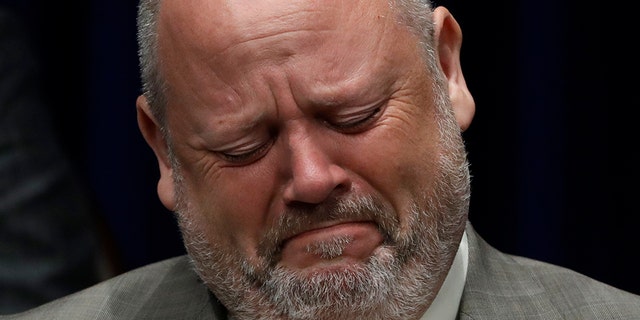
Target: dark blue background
[[553, 144]]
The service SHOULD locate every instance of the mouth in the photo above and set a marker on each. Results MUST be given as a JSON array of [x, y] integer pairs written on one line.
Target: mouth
[[323, 227], [344, 242]]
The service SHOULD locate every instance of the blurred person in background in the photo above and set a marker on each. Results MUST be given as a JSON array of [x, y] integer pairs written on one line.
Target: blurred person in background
[[49, 241]]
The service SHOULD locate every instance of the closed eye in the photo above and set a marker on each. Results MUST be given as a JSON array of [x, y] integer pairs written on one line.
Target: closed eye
[[357, 121], [245, 156]]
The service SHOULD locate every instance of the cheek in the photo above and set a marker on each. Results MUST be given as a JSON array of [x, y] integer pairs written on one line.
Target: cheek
[[233, 204], [399, 159]]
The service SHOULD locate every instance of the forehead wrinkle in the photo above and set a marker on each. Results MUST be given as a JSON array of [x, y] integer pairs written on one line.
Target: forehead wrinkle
[[232, 109], [337, 82], [348, 85], [272, 49], [281, 25], [279, 36], [217, 25], [357, 73], [220, 24]]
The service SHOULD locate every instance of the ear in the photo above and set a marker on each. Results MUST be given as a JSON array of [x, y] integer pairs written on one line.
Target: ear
[[151, 131], [448, 39]]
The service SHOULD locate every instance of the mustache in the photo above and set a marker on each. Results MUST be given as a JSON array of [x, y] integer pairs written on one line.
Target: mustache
[[300, 218]]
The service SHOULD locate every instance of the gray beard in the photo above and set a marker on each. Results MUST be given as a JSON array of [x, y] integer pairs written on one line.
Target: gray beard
[[398, 281], [394, 283]]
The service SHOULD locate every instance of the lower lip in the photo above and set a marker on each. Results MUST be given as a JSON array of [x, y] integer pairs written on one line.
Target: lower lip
[[364, 239]]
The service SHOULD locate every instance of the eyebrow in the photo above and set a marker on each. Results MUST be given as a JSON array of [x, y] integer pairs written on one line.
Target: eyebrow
[[232, 123], [359, 92]]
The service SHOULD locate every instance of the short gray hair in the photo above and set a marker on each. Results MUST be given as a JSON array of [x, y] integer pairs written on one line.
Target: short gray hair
[[153, 84]]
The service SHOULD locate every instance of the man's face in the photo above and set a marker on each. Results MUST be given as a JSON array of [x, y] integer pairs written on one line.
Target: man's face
[[309, 157]]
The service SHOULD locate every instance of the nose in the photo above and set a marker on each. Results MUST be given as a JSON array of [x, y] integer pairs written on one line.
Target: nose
[[314, 176]]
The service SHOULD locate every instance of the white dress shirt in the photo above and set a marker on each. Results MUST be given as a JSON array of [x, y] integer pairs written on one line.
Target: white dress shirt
[[445, 305]]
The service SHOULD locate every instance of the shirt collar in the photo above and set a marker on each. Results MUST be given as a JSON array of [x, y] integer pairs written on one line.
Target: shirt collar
[[445, 305]]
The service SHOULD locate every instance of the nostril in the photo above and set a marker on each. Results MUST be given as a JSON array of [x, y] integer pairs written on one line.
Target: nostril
[[299, 206]]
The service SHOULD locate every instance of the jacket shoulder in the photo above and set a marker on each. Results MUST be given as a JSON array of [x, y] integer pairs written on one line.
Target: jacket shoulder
[[503, 286], [169, 289]]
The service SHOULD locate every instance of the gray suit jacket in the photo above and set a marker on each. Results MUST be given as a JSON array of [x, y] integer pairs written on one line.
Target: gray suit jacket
[[498, 286]]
